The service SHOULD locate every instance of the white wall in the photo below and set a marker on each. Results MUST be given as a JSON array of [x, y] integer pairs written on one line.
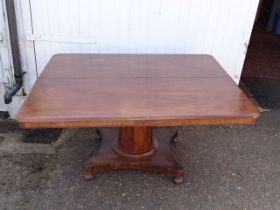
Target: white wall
[[218, 27], [6, 68]]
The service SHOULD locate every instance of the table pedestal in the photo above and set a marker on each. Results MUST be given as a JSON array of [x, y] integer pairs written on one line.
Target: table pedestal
[[141, 148]]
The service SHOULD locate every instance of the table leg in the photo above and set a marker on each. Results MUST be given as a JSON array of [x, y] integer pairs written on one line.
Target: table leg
[[141, 148]]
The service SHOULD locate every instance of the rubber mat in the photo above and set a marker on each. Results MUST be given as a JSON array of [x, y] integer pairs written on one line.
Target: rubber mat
[[266, 91], [8, 125]]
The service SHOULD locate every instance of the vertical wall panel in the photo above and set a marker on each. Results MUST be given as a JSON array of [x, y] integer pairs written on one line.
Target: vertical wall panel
[[217, 27], [6, 65]]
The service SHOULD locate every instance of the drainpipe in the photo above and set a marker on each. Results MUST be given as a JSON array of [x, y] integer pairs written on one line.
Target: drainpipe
[[18, 74]]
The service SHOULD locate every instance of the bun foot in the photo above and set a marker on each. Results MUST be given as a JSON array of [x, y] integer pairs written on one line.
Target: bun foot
[[88, 176], [178, 180]]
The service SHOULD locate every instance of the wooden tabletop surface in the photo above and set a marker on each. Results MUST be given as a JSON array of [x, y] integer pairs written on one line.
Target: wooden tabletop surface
[[99, 90]]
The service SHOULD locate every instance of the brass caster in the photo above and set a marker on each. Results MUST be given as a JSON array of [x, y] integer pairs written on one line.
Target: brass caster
[[178, 180], [88, 176]]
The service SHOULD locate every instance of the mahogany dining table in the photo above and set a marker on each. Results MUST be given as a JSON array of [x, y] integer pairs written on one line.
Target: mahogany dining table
[[135, 101]]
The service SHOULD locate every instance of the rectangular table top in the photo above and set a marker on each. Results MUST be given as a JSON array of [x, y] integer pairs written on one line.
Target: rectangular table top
[[84, 90]]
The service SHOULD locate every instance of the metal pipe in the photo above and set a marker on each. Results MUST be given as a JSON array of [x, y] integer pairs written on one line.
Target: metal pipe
[[18, 74]]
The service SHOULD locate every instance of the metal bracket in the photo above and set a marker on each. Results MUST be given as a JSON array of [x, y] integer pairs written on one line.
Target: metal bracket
[[33, 37], [59, 38]]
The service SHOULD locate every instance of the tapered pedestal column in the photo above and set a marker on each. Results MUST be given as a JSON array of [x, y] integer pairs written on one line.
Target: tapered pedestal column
[[141, 148]]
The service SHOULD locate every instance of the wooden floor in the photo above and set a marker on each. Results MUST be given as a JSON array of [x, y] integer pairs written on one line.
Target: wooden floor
[[263, 56]]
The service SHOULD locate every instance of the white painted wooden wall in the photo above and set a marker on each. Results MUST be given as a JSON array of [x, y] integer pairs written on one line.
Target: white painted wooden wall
[[221, 28], [6, 70], [217, 27]]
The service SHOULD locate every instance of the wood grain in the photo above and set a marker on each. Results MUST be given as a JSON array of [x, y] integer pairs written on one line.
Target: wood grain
[[131, 65], [135, 140], [162, 161], [134, 92], [89, 98]]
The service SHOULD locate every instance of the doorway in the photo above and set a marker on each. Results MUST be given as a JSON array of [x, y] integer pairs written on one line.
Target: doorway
[[261, 72]]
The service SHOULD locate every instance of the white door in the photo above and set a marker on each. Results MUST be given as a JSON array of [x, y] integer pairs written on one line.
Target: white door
[[217, 27], [6, 73]]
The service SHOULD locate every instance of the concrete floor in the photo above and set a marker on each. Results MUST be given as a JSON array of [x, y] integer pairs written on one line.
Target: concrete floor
[[229, 167]]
